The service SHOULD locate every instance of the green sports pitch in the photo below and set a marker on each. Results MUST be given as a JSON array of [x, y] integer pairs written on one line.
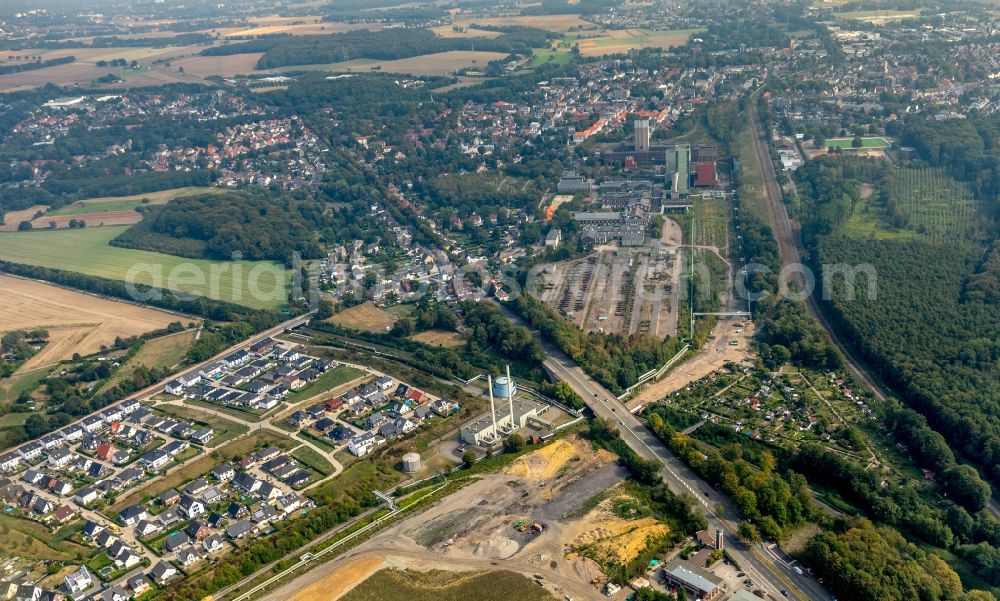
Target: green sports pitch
[[847, 143]]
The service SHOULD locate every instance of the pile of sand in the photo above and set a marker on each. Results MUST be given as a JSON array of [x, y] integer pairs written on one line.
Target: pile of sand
[[497, 547], [618, 540], [544, 463]]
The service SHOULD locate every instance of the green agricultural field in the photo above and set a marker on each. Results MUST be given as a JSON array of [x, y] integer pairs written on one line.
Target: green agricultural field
[[846, 143], [553, 56], [249, 283], [126, 203]]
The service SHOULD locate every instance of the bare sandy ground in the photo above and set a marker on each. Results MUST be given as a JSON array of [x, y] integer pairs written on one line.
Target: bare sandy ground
[[340, 581], [473, 529], [715, 354]]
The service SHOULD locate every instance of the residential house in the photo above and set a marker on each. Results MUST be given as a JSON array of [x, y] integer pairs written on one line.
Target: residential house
[[145, 528], [162, 572], [79, 581], [239, 529], [154, 460], [224, 472], [138, 584], [246, 483], [132, 514], [363, 444], [9, 462], [85, 496], [175, 541], [191, 507], [213, 544], [31, 451]]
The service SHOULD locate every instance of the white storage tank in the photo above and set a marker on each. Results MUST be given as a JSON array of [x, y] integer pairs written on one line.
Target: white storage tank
[[411, 463], [501, 386]]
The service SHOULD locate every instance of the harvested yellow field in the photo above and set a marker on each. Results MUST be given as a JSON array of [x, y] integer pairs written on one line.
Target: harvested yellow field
[[556, 23], [336, 583], [366, 317], [77, 322], [299, 28], [439, 338], [544, 463], [620, 41], [440, 63], [223, 66], [12, 219]]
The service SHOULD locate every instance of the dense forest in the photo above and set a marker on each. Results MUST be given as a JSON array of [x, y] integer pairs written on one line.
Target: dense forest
[[389, 44], [938, 348], [833, 187], [216, 226], [862, 562]]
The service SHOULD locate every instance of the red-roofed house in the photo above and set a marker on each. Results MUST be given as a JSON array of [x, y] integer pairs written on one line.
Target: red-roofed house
[[104, 451]]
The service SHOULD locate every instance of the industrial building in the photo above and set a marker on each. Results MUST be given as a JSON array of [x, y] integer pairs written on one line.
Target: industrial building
[[602, 227], [512, 415], [698, 583], [485, 432], [679, 170], [642, 135]]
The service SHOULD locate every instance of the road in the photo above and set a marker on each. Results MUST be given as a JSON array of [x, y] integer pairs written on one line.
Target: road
[[766, 572]]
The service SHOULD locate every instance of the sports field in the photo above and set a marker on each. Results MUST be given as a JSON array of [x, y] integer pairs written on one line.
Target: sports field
[[257, 284], [847, 143]]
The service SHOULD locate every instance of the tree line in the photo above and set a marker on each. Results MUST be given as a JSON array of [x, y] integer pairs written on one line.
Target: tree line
[[21, 67], [614, 360]]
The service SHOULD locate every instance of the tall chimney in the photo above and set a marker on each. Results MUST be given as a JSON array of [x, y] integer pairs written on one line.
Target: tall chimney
[[510, 398], [493, 409]]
